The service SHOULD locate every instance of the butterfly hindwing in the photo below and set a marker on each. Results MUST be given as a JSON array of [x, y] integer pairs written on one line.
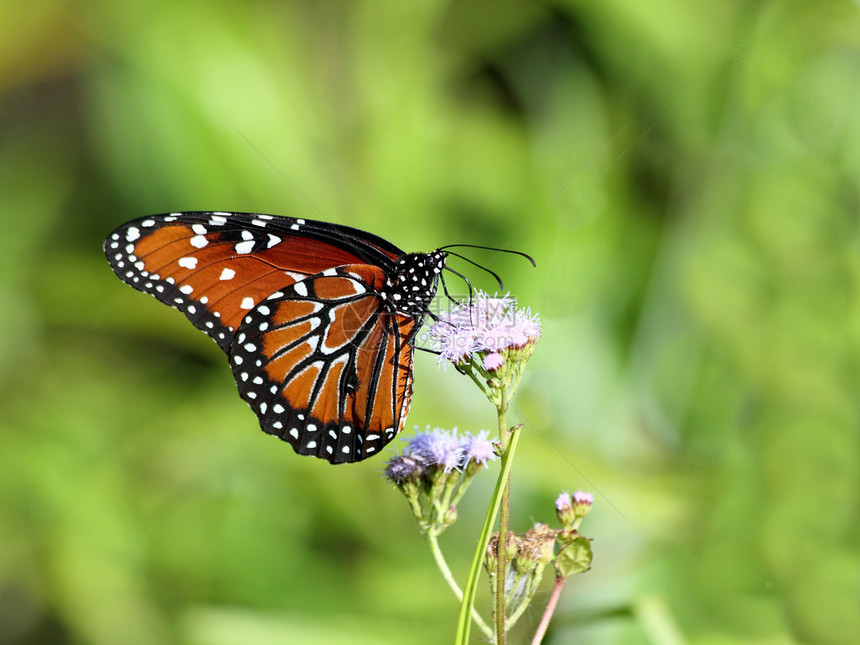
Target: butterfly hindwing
[[326, 364]]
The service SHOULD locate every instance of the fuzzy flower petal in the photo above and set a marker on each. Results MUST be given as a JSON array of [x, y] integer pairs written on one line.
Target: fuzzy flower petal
[[478, 448]]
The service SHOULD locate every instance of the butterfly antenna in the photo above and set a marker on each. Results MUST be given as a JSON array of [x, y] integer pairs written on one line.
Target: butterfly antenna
[[445, 288], [489, 248], [465, 279], [492, 273]]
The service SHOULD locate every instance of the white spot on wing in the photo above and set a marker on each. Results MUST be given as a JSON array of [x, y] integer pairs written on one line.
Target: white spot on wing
[[132, 234], [147, 223], [273, 240], [247, 303], [301, 288], [188, 262], [199, 229], [186, 288], [198, 241], [245, 247], [227, 274]]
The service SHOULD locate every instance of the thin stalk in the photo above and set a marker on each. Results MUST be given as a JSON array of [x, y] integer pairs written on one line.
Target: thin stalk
[[548, 612], [464, 622], [504, 520], [449, 578]]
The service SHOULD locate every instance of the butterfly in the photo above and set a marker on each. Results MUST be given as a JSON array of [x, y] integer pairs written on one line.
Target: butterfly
[[318, 320]]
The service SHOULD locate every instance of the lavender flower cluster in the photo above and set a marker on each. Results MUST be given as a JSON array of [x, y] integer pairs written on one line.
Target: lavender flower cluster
[[443, 449], [486, 325]]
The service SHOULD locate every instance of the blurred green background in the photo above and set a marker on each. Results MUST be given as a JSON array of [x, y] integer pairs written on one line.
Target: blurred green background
[[686, 175]]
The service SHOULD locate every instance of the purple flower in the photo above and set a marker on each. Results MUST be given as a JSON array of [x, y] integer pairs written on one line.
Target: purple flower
[[570, 509], [484, 324], [437, 448], [478, 448], [493, 361], [403, 468], [563, 502], [580, 497]]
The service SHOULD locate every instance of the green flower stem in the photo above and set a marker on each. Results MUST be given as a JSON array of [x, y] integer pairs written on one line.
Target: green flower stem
[[548, 612], [504, 520], [464, 622], [449, 578]]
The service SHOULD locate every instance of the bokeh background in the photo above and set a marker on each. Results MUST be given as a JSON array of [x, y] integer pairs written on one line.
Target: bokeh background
[[686, 175]]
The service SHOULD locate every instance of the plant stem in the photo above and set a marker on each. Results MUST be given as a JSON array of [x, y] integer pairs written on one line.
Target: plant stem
[[464, 622], [547, 613], [504, 520], [449, 578]]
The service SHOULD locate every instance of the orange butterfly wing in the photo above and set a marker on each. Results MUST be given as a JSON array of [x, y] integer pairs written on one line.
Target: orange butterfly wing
[[215, 267], [327, 365]]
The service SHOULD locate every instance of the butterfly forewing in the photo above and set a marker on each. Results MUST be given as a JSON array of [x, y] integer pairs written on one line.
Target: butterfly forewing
[[216, 267], [322, 366]]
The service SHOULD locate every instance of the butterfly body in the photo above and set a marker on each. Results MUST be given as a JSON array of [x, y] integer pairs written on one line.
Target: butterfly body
[[318, 320]]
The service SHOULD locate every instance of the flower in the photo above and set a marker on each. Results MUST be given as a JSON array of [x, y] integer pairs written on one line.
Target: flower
[[437, 447], [582, 503], [570, 509], [493, 361], [435, 470], [403, 468], [484, 325], [478, 448]]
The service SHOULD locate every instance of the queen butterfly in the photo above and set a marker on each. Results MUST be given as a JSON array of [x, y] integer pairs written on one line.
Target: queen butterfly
[[318, 320]]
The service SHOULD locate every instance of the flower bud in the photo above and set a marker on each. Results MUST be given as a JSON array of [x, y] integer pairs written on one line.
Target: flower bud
[[582, 503], [403, 469], [564, 509]]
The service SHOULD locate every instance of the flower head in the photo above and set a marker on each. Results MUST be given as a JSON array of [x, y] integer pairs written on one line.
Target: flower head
[[582, 503], [437, 447], [478, 448], [403, 468], [493, 361], [483, 325], [435, 470]]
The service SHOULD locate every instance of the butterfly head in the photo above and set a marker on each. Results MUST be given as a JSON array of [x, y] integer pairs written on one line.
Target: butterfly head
[[413, 284]]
